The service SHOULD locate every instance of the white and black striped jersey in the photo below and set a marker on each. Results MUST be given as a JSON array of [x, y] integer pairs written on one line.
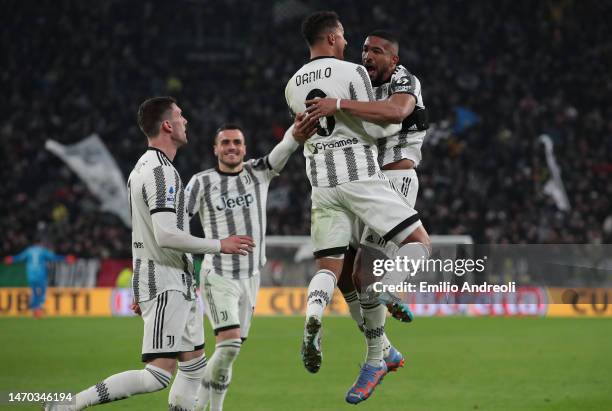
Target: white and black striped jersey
[[407, 143], [155, 186], [344, 147], [233, 204]]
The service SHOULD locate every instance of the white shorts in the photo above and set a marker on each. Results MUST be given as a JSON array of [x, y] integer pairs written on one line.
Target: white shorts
[[229, 302], [172, 325], [406, 182], [374, 201]]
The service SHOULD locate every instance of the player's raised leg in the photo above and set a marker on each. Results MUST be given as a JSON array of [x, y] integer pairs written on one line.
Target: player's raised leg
[[331, 227], [320, 292], [392, 357]]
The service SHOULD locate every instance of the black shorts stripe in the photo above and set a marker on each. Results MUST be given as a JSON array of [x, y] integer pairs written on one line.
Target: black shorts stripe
[[163, 210], [161, 322], [407, 222], [153, 355], [211, 302], [330, 251], [156, 322]]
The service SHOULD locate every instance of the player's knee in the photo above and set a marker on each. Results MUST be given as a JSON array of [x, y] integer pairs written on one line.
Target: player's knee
[[155, 378], [193, 369], [330, 273], [228, 350], [231, 334]]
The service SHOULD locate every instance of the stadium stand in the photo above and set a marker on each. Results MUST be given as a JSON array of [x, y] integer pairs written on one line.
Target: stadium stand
[[513, 69]]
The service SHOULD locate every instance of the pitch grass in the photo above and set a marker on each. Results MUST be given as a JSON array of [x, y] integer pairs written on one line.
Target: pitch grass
[[452, 363]]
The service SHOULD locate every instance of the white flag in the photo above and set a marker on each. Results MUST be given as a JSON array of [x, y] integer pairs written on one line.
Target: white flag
[[92, 162], [554, 187]]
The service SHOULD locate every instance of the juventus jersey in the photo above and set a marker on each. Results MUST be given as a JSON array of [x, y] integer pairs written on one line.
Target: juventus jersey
[[407, 143], [231, 204], [155, 186], [344, 147]]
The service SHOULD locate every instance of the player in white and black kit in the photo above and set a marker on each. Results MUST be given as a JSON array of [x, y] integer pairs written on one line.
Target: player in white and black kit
[[230, 198], [163, 280], [399, 100], [347, 184]]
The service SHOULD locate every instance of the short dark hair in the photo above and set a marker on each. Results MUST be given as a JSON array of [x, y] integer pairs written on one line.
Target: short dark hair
[[317, 24], [227, 126], [387, 35], [151, 113]]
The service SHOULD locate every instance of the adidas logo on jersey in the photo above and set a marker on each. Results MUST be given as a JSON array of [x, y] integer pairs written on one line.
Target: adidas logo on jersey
[[244, 200]]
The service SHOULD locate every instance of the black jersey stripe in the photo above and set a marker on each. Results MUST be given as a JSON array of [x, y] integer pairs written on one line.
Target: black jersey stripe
[[231, 227], [260, 216], [246, 215]]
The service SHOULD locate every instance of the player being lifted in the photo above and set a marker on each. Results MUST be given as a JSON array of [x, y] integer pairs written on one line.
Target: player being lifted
[[346, 184], [399, 100], [230, 198], [163, 282]]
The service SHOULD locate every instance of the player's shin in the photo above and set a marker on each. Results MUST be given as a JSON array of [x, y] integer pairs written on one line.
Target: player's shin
[[352, 300], [184, 390], [123, 385], [218, 374], [374, 330], [320, 292]]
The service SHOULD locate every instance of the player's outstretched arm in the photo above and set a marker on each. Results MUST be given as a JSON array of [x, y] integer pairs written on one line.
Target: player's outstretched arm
[[237, 244], [393, 110], [167, 235], [301, 130]]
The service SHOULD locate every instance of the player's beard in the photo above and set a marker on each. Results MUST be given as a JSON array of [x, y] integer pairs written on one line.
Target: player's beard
[[379, 75]]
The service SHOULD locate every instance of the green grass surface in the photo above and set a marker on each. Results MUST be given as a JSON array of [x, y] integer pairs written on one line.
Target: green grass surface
[[452, 363]]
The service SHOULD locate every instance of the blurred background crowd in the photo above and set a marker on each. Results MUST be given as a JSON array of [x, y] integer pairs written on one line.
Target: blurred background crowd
[[495, 76]]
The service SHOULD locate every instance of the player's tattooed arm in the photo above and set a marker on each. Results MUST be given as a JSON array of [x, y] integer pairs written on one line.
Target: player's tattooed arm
[[393, 110]]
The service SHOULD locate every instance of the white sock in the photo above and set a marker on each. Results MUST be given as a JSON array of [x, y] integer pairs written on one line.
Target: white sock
[[320, 292], [386, 341], [374, 316], [352, 300], [219, 374], [184, 390], [123, 385]]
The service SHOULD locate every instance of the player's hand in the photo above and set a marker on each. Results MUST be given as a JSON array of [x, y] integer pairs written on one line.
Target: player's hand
[[304, 127], [321, 107], [136, 308], [8, 259], [237, 244], [70, 259]]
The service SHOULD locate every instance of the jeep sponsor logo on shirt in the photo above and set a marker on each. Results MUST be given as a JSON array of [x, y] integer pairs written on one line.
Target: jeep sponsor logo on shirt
[[244, 200]]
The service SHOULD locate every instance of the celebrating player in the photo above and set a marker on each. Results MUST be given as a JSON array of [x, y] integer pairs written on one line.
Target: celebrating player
[[399, 100], [346, 183], [163, 282], [232, 198]]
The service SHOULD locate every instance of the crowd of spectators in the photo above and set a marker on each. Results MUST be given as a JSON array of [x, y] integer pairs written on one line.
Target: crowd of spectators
[[522, 68]]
